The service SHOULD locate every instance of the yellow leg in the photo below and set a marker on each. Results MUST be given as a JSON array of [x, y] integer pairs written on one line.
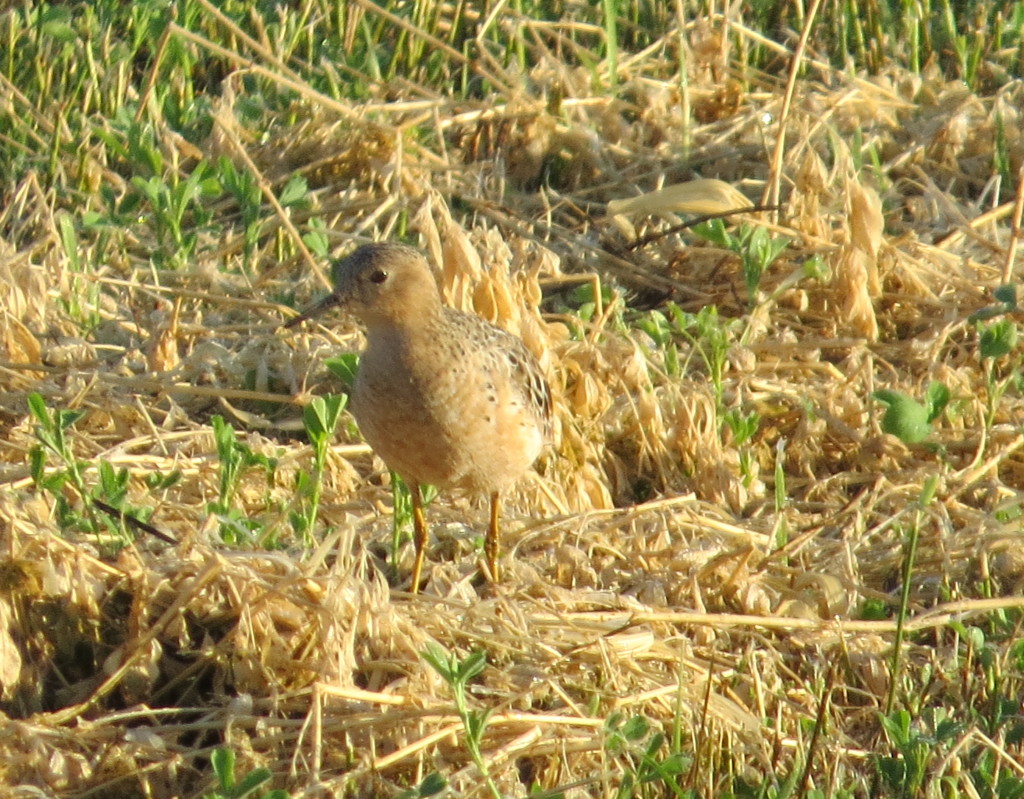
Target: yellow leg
[[491, 542], [419, 528]]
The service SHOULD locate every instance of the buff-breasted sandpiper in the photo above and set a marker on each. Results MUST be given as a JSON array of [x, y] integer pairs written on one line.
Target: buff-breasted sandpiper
[[443, 397]]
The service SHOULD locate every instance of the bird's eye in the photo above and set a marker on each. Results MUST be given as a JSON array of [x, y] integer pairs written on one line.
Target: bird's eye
[[378, 276]]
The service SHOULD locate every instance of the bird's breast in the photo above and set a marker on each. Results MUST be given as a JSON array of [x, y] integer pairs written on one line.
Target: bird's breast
[[445, 414]]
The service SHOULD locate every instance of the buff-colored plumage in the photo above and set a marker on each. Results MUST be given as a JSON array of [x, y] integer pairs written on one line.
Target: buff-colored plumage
[[443, 397]]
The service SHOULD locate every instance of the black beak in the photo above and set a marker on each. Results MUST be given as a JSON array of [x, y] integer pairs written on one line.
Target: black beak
[[312, 311]]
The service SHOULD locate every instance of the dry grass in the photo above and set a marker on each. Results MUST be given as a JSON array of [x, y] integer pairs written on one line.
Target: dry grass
[[651, 569]]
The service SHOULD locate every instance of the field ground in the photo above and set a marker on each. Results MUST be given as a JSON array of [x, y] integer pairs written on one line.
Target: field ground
[[777, 548]]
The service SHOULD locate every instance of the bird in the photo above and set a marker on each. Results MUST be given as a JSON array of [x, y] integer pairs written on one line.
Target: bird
[[444, 397]]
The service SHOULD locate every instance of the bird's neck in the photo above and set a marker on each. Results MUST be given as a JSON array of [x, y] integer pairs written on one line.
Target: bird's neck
[[403, 330]]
